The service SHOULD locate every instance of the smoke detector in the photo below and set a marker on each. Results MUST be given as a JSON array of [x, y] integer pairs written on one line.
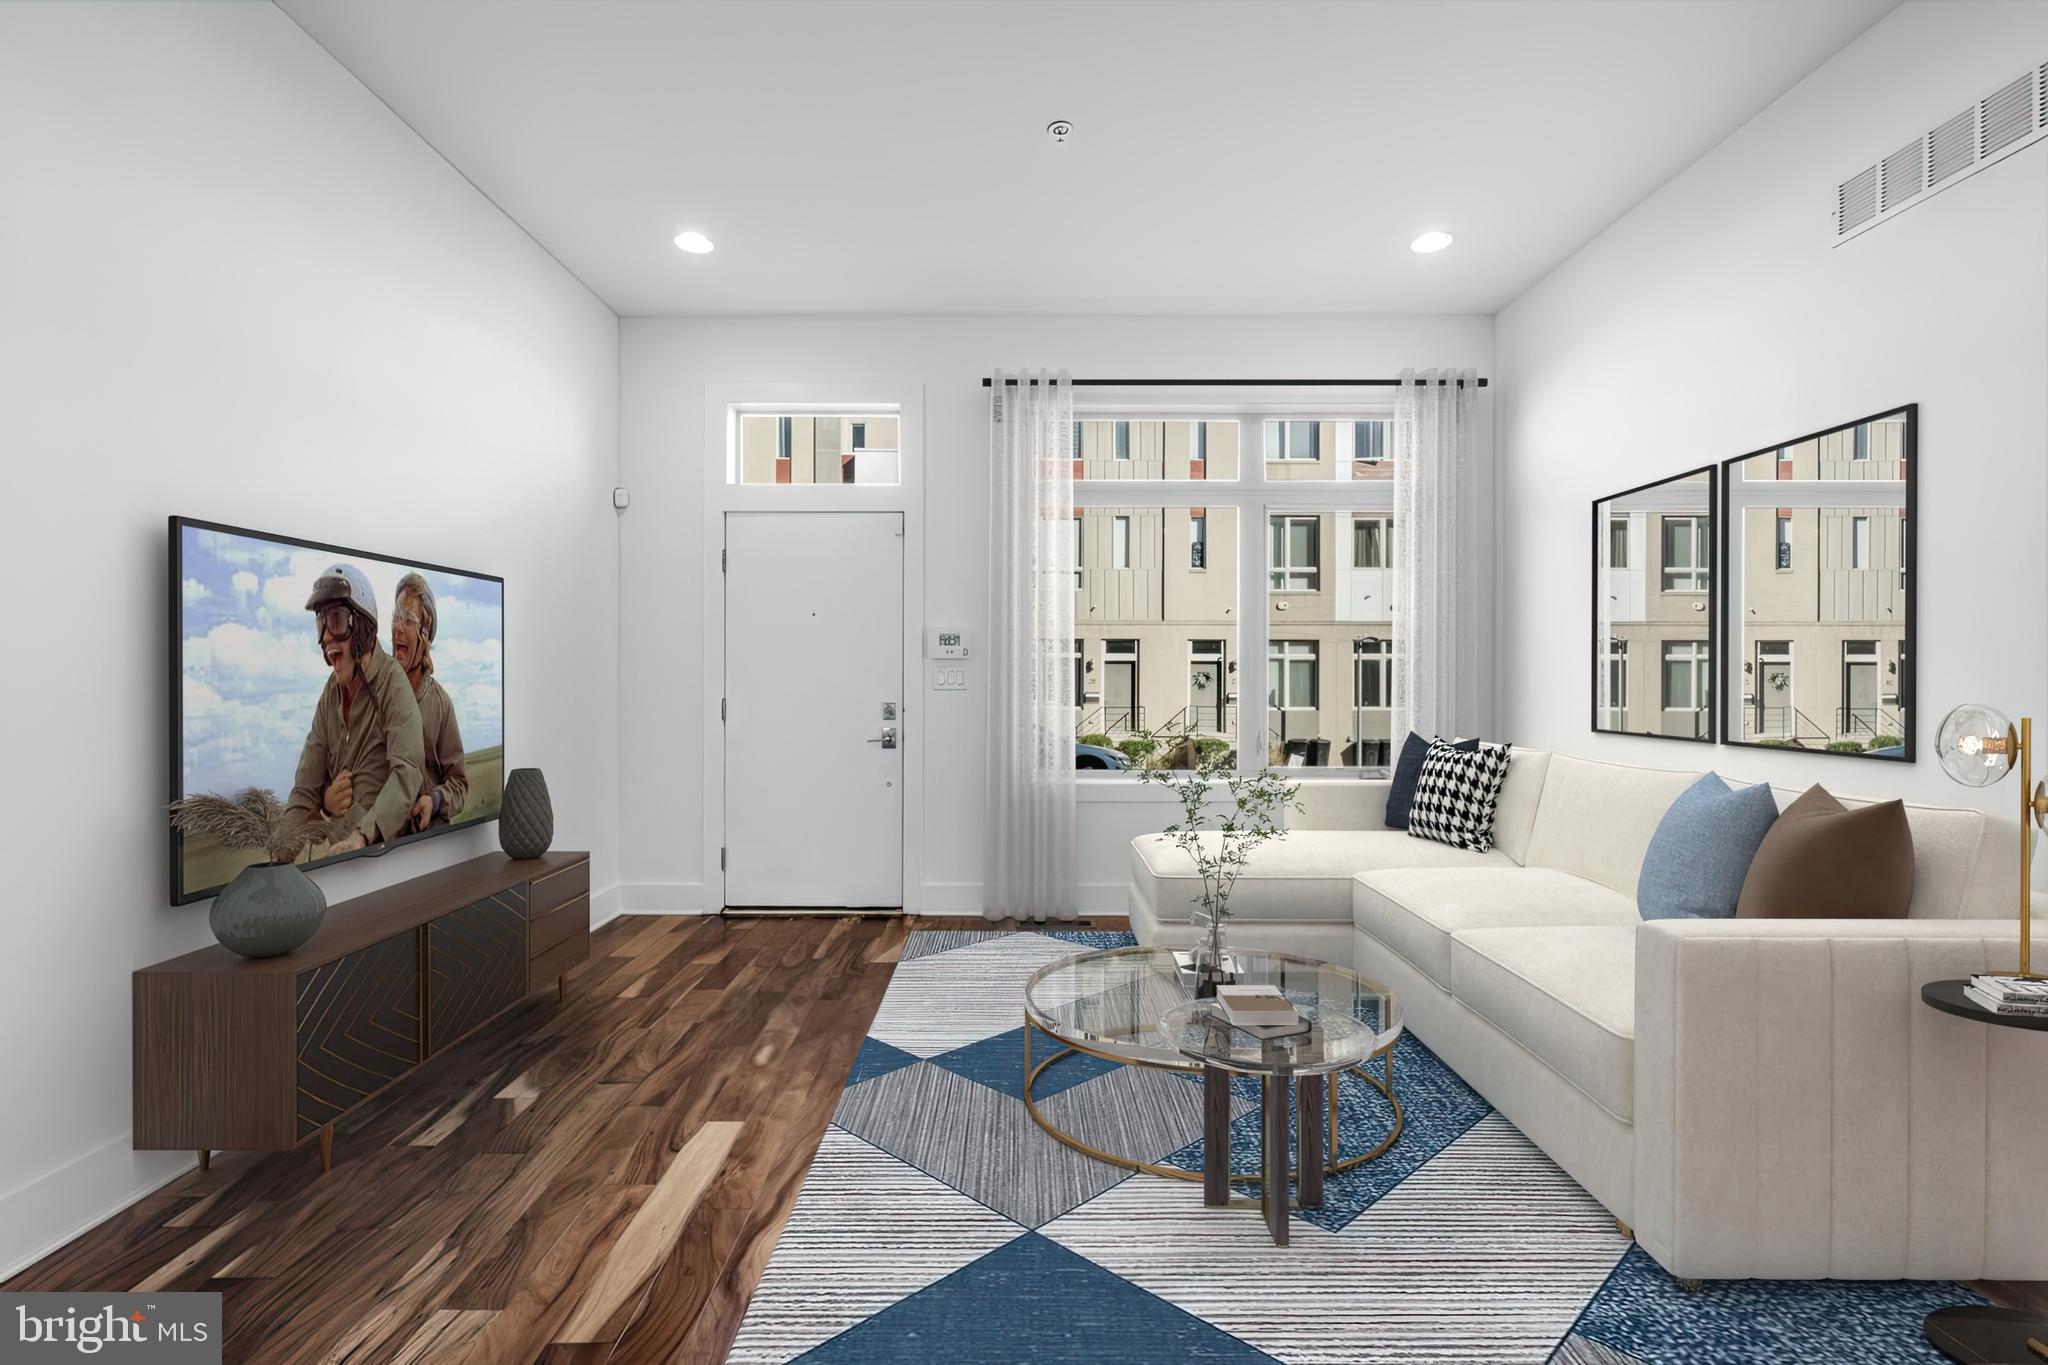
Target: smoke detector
[[1059, 130]]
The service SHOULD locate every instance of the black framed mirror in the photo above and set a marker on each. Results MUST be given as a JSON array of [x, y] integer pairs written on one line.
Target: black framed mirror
[[1654, 622], [1818, 549]]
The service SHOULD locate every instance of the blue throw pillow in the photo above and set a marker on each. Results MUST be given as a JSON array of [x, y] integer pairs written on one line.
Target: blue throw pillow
[[1401, 790], [1702, 849]]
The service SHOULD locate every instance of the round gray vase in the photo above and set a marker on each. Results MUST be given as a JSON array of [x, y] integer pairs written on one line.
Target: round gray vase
[[526, 823], [267, 910]]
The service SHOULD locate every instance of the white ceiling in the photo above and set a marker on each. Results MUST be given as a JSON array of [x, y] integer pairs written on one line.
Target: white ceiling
[[1265, 156]]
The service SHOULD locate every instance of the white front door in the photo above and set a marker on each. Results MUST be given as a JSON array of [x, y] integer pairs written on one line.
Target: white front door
[[814, 710]]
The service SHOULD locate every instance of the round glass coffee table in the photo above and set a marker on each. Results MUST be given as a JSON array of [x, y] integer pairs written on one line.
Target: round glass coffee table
[[1137, 1007]]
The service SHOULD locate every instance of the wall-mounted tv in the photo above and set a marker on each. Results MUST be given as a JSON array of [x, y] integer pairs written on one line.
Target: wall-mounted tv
[[365, 695]]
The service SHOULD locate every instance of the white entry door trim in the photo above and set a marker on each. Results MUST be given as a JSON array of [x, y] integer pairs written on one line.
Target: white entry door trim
[[723, 403]]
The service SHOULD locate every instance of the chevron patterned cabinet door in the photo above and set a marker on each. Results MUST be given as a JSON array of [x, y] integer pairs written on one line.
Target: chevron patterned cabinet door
[[476, 965], [358, 1028]]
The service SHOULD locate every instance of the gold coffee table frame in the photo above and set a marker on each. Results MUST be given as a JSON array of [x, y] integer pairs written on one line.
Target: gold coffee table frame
[[1334, 1161]]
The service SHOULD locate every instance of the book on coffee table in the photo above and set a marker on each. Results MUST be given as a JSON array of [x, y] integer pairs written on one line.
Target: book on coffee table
[[1256, 1006]]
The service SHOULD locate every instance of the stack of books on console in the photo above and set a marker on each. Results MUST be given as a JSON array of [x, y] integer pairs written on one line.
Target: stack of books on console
[[1261, 1011], [2009, 995]]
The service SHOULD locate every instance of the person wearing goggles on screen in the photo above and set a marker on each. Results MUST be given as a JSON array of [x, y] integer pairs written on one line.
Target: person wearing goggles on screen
[[445, 787], [362, 761]]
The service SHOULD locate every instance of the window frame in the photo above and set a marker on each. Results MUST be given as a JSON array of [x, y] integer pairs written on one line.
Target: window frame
[[1252, 498], [1692, 577]]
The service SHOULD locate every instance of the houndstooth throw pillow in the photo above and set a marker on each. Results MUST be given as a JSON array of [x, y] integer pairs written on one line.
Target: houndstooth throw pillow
[[1456, 794]]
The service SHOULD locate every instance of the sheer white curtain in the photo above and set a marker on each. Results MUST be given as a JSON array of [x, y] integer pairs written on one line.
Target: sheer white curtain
[[1436, 601], [1029, 866]]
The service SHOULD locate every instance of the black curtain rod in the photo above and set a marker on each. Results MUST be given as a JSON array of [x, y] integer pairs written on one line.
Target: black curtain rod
[[988, 380]]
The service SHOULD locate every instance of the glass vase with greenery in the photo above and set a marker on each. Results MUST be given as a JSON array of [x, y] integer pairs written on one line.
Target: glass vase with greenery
[[1224, 815]]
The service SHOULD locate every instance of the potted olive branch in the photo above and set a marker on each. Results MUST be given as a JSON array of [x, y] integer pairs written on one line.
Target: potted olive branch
[[1225, 814]]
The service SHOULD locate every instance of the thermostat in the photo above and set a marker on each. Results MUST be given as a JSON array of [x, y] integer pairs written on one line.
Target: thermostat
[[945, 642]]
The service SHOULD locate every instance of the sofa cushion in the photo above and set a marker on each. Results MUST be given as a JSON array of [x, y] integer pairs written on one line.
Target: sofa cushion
[[1822, 860], [1305, 876], [1596, 819], [1415, 911], [1702, 849], [1566, 994], [1520, 793]]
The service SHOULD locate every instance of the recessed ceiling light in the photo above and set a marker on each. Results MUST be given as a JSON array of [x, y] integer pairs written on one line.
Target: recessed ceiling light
[[1426, 243], [696, 243]]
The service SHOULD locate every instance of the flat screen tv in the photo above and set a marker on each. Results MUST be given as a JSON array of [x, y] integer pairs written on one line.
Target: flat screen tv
[[364, 695]]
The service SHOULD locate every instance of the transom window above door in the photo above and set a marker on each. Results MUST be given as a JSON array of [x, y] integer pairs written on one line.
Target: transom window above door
[[817, 448]]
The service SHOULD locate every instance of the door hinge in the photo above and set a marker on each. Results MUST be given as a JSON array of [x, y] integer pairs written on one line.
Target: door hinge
[[721, 708], [721, 860], [721, 560]]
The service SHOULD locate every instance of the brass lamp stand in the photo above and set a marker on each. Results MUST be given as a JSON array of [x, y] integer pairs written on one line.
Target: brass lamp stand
[[1977, 747]]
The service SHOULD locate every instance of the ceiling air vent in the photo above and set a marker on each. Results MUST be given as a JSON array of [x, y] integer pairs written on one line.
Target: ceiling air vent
[[1948, 147], [1904, 174], [2007, 115], [2009, 118]]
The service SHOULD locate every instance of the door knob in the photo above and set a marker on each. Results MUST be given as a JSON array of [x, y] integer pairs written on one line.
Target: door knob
[[887, 739]]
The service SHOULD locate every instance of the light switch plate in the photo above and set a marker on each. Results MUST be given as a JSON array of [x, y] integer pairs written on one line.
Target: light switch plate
[[949, 677]]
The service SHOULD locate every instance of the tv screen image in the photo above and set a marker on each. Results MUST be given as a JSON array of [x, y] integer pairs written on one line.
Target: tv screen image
[[364, 693]]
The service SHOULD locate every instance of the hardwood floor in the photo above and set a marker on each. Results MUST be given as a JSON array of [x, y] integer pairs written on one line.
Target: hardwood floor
[[599, 1181]]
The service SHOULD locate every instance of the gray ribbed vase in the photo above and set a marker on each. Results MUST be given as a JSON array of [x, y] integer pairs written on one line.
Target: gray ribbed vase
[[526, 823], [267, 910]]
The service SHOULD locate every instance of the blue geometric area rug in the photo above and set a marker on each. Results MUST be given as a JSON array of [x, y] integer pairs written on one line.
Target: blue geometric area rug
[[939, 1225]]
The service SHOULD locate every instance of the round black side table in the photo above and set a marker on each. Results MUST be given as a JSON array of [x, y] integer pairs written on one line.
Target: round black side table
[[1984, 1336]]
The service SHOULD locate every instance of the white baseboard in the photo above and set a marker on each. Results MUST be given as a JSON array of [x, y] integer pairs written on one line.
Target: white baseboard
[[52, 1209], [663, 898], [605, 906], [964, 898]]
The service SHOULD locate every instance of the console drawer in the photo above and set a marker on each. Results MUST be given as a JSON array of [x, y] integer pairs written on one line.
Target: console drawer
[[545, 931], [557, 889]]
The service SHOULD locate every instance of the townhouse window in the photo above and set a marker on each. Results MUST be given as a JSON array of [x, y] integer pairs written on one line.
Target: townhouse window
[[1859, 443], [1686, 555], [785, 436], [1296, 559], [1784, 542], [1369, 441], [1291, 675], [1859, 541], [1077, 440], [1208, 710], [1372, 542], [1198, 448], [1685, 675], [1123, 440], [1293, 440], [860, 436], [1902, 554], [1372, 673], [1614, 681], [1078, 556], [1198, 540], [1617, 543], [1120, 543]]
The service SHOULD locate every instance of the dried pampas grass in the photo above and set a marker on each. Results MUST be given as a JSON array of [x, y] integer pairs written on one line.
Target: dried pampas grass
[[251, 818]]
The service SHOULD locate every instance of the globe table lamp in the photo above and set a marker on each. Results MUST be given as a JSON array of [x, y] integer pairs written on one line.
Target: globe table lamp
[[1978, 746]]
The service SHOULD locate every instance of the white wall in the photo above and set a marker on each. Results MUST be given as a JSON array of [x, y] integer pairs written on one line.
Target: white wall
[[1716, 319], [666, 365], [234, 286]]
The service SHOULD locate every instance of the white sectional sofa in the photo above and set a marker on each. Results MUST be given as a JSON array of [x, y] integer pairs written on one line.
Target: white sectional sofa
[[1755, 1098]]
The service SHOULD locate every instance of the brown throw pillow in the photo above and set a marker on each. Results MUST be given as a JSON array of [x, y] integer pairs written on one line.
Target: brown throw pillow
[[1821, 860]]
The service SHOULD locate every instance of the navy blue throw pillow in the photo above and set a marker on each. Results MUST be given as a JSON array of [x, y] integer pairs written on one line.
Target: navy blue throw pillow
[[1401, 791]]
